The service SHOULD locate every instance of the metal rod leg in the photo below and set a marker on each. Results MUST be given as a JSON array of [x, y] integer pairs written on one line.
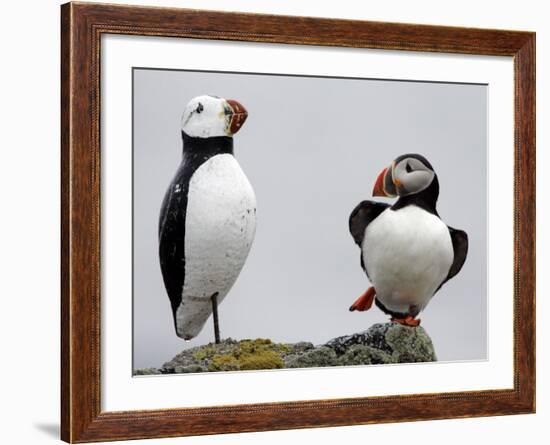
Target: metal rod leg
[[215, 315]]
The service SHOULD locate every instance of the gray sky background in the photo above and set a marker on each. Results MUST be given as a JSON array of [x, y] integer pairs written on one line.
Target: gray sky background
[[312, 148]]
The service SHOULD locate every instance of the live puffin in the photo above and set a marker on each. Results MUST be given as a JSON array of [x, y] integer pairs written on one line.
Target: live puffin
[[208, 216], [407, 251]]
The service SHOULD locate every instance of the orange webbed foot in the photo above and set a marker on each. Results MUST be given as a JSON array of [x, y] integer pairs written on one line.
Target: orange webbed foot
[[407, 321], [364, 302]]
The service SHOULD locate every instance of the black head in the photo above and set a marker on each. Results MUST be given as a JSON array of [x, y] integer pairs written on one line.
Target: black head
[[410, 177]]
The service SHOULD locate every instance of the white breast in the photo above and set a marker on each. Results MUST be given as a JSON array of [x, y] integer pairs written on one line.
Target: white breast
[[408, 254], [219, 230]]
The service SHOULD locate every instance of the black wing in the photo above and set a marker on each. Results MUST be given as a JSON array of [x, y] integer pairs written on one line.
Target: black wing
[[362, 216], [459, 239], [172, 238]]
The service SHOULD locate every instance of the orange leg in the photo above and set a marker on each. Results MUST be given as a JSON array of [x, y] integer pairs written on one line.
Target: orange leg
[[364, 302], [407, 321]]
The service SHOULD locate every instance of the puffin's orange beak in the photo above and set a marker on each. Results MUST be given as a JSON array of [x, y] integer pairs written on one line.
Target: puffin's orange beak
[[378, 189]]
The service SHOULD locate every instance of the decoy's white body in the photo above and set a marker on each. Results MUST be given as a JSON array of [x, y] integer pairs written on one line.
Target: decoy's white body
[[219, 230], [208, 217]]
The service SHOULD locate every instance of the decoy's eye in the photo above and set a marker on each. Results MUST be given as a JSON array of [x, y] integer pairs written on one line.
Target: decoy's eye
[[199, 108], [408, 168]]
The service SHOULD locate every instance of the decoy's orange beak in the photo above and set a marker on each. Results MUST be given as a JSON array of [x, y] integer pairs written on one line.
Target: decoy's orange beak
[[378, 189], [239, 115]]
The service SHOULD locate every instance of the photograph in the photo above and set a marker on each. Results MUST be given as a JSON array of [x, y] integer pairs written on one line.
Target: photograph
[[276, 221], [286, 221]]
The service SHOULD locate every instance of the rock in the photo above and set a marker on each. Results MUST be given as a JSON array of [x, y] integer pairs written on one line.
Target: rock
[[410, 345], [189, 368], [302, 346], [385, 343], [382, 343], [314, 357], [147, 371], [230, 355], [364, 355]]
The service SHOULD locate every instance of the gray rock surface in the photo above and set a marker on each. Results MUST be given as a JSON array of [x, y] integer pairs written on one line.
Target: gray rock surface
[[318, 356], [382, 343], [385, 343]]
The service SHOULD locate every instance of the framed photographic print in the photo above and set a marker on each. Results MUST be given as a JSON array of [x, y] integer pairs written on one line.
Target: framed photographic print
[[275, 222]]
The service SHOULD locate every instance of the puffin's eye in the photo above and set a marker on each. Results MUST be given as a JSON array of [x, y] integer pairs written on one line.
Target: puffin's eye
[[408, 168], [199, 108]]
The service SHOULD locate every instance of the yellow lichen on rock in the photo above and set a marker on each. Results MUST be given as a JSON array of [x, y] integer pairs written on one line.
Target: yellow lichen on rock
[[260, 353]]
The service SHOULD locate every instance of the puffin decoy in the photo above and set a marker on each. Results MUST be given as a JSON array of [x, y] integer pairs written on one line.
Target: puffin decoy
[[207, 219], [407, 251]]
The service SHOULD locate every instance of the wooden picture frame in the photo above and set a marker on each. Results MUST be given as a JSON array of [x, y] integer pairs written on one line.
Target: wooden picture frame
[[82, 26]]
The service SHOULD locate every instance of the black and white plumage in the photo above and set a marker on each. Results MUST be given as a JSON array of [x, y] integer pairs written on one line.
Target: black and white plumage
[[407, 251], [208, 215]]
